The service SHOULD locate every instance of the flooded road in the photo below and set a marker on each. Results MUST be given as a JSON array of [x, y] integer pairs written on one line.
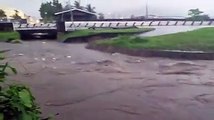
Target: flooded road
[[81, 84]]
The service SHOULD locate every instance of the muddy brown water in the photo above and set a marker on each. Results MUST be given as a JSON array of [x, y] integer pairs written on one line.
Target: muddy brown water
[[82, 84]]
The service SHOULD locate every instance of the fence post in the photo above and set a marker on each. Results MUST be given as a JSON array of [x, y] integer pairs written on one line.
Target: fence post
[[201, 22], [176, 23], [150, 23], [142, 24], [210, 23], [109, 25], [184, 22], [159, 23], [192, 23], [167, 24], [102, 25]]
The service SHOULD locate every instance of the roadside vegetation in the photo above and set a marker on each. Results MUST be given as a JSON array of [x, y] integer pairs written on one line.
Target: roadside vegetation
[[197, 40], [89, 32], [16, 101], [9, 36]]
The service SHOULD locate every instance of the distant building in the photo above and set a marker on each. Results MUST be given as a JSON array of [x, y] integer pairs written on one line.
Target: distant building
[[75, 15]]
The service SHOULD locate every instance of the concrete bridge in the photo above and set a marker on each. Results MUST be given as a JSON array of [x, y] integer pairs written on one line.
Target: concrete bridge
[[49, 30], [29, 31], [113, 24]]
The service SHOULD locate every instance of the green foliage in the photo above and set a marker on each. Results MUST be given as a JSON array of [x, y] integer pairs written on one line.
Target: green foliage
[[16, 41], [90, 8], [67, 6], [2, 14], [199, 18], [48, 9], [77, 5], [101, 16], [88, 32], [16, 101], [9, 36], [196, 14], [196, 40]]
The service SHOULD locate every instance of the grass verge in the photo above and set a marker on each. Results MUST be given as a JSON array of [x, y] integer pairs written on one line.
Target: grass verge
[[89, 32], [197, 40], [8, 36]]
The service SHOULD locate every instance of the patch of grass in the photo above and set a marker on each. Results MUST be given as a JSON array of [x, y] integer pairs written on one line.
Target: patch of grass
[[8, 36], [88, 32], [197, 40], [17, 41]]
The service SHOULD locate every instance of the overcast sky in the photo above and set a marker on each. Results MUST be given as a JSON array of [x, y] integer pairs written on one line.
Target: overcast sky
[[124, 7]]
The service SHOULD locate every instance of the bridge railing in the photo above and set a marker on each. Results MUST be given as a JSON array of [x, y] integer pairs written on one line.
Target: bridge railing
[[34, 26], [70, 26]]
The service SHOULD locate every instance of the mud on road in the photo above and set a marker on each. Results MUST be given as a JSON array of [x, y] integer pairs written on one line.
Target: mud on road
[[81, 84]]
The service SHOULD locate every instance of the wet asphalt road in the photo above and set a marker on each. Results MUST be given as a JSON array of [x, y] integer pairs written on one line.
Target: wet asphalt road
[[82, 84]]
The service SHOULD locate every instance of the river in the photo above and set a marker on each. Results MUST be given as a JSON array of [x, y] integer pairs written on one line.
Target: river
[[81, 84]]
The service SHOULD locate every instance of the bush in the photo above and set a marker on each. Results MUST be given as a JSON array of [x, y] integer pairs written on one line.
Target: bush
[[16, 101]]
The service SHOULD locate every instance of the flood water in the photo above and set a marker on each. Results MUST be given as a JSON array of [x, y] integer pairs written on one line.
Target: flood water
[[81, 84]]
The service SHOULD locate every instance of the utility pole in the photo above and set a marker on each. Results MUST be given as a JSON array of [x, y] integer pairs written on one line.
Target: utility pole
[[147, 10]]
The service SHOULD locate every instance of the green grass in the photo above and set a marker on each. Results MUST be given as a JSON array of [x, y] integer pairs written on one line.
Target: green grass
[[197, 40], [5, 36], [88, 32]]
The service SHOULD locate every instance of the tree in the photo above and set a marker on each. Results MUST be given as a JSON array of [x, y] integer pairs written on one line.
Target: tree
[[195, 12], [2, 13], [16, 15], [68, 6], [101, 16], [57, 6], [48, 9], [196, 15], [89, 8], [77, 5]]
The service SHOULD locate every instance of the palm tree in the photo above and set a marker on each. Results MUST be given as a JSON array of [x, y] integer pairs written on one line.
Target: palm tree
[[68, 6], [2, 13], [77, 5], [90, 8]]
